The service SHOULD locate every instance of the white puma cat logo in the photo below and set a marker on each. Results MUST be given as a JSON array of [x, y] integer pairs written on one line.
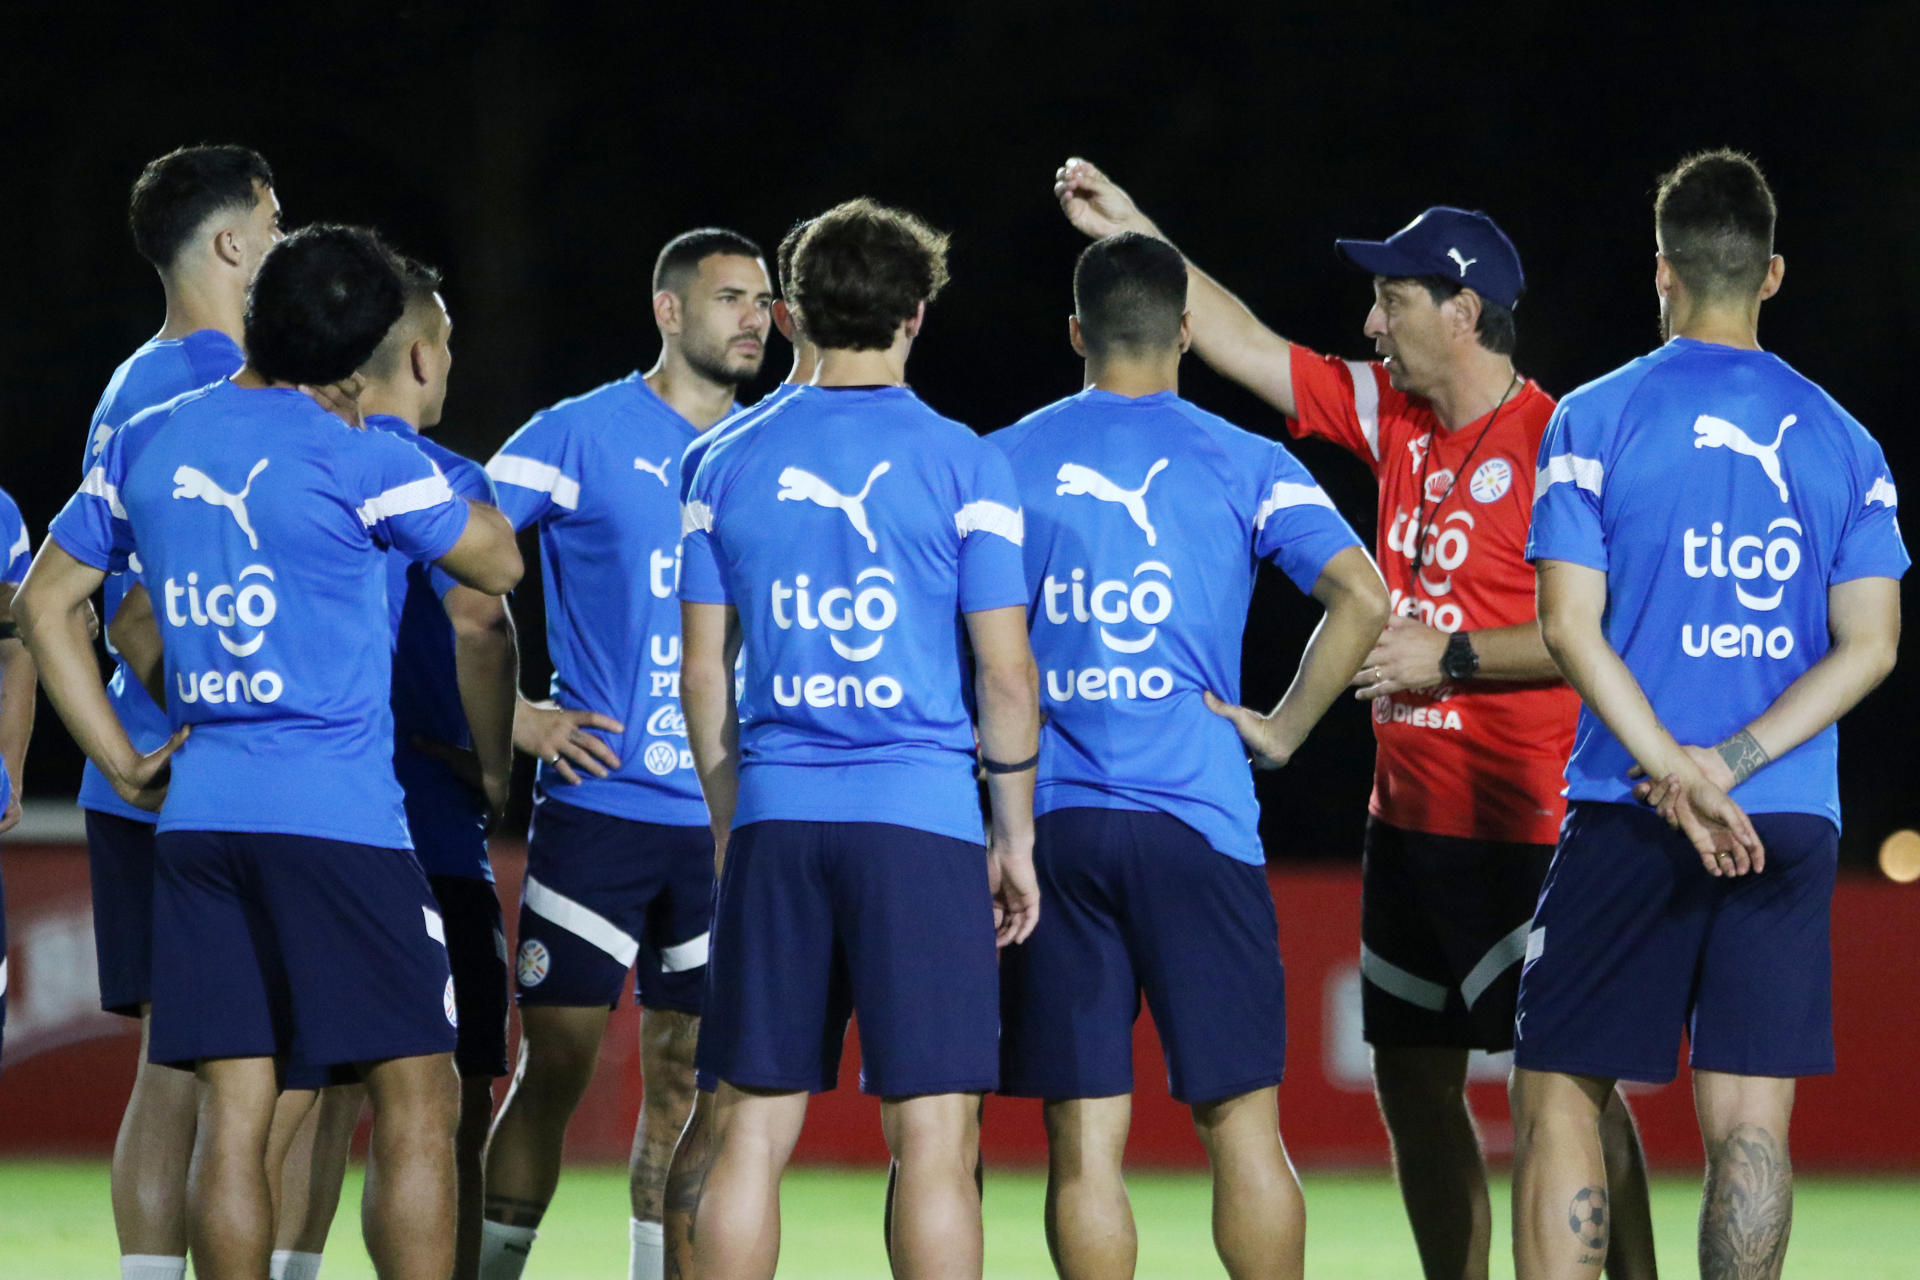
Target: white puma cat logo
[[797, 485], [190, 482], [1076, 479], [1717, 433], [1463, 262], [653, 468]]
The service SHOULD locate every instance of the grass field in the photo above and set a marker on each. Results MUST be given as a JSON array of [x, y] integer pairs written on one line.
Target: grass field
[[55, 1225]]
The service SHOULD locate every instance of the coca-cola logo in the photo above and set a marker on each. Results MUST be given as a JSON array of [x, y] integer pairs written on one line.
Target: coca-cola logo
[[667, 722]]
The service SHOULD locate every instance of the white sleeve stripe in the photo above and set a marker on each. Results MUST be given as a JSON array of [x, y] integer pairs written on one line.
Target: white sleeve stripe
[[1882, 492], [695, 517], [528, 473], [1572, 469], [1286, 494], [415, 495], [21, 545], [991, 517], [1366, 403], [96, 486]]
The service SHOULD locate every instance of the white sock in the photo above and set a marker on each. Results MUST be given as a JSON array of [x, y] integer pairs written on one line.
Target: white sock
[[291, 1264], [504, 1250], [647, 1257], [152, 1266]]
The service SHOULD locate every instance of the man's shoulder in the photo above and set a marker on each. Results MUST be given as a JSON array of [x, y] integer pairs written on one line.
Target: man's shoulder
[[589, 410], [1608, 395], [467, 477]]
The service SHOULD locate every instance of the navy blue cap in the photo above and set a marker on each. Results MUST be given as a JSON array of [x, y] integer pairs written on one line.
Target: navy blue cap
[[1462, 245]]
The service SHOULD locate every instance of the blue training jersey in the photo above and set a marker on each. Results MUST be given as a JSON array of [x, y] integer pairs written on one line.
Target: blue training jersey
[[261, 523], [160, 370], [600, 475], [16, 553], [851, 527], [1145, 519], [1722, 494], [690, 461], [446, 817]]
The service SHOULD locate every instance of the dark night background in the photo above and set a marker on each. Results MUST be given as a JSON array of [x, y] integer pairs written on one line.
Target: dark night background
[[542, 160]]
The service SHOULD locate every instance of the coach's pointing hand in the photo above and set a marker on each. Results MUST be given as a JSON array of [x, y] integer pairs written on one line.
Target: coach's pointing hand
[[547, 731], [1095, 204]]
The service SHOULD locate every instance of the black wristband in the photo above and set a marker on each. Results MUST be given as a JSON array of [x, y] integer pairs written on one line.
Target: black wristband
[[994, 766]]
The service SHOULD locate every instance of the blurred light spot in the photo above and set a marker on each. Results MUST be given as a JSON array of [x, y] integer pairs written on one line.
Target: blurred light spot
[[1900, 857]]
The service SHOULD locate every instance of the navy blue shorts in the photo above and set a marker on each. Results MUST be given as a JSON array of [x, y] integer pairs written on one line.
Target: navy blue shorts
[[604, 895], [1443, 924], [316, 951], [816, 918], [120, 863], [1134, 902], [1634, 942]]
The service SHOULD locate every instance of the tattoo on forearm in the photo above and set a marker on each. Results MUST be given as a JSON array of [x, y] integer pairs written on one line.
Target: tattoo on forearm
[[1587, 1218], [1747, 1211], [1743, 754]]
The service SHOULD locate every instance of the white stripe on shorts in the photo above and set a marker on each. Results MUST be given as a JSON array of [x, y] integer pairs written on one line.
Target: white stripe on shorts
[[581, 922], [1395, 981], [1500, 957], [682, 956], [435, 929]]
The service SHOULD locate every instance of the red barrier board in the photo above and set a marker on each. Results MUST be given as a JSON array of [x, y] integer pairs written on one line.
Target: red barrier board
[[67, 1066]]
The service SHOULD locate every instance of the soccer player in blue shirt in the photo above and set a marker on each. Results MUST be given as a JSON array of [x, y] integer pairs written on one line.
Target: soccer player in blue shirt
[[204, 217], [455, 673], [1145, 519], [856, 542], [619, 874], [693, 1153], [17, 681], [1719, 559], [291, 921]]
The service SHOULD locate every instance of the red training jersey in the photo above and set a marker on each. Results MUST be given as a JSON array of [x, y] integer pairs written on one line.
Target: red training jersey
[[1481, 759]]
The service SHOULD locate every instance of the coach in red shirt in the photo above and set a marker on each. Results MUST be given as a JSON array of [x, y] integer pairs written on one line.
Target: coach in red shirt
[[1473, 722]]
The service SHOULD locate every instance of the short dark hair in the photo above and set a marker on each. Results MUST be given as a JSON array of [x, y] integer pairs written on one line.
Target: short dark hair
[[182, 189], [783, 255], [418, 285], [684, 253], [1715, 214], [419, 280], [860, 270], [1129, 292], [1495, 329], [321, 304]]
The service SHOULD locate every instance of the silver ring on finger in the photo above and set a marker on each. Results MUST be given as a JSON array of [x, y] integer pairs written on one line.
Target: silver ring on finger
[[554, 758]]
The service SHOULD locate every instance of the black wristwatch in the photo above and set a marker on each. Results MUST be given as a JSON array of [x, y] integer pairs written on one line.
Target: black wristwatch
[[1459, 662]]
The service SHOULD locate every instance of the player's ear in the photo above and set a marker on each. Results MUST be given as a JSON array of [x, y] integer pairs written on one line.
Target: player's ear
[[783, 318], [914, 322], [1075, 338], [667, 315], [1776, 272], [226, 246], [417, 365], [1186, 332], [1663, 275], [1466, 313]]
